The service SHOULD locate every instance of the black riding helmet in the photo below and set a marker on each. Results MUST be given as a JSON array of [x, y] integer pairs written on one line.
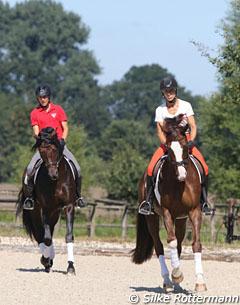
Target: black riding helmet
[[43, 90], [168, 83]]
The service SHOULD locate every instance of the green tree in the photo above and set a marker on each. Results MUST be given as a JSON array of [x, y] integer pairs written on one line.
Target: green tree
[[221, 128], [92, 167], [124, 172], [19, 160], [120, 132], [137, 95], [42, 43], [15, 131]]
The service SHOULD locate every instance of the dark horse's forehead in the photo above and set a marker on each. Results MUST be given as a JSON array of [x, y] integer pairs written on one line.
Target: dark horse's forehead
[[175, 121], [47, 136]]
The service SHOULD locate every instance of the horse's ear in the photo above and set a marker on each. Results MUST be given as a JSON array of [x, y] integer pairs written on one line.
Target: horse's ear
[[183, 123], [166, 123], [168, 120], [179, 118], [169, 125]]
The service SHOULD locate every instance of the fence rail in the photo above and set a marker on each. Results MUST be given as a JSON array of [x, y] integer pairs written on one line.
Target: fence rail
[[8, 204], [217, 224]]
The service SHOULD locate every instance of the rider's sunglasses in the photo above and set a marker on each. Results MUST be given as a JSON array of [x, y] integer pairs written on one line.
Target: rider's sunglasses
[[169, 90], [43, 97]]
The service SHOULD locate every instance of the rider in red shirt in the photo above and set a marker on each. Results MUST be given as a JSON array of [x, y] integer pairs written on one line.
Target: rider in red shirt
[[55, 117], [172, 107], [47, 114]]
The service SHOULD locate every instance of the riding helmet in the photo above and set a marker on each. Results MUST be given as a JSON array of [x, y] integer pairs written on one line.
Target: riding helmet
[[168, 82], [43, 90]]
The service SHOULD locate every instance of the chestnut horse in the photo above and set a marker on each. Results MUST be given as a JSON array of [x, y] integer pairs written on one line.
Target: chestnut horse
[[179, 187], [55, 189]]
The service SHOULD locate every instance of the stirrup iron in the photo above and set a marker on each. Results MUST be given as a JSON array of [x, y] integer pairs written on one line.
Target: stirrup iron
[[147, 210], [28, 204], [80, 203]]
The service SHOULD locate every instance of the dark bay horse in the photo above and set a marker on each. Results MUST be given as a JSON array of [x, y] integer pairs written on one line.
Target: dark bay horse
[[55, 189], [180, 188]]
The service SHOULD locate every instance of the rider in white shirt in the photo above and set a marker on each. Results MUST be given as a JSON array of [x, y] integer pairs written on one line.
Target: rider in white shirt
[[172, 107]]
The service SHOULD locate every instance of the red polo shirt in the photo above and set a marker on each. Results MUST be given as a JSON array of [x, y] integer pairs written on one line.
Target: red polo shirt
[[51, 118]]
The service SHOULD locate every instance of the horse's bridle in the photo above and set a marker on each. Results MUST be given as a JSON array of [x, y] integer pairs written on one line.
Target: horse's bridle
[[184, 162], [47, 164]]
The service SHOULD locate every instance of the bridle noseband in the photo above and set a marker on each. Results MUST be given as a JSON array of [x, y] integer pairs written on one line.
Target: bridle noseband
[[184, 162]]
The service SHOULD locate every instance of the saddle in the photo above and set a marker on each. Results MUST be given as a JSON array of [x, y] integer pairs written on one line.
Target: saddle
[[157, 173], [158, 166], [195, 161]]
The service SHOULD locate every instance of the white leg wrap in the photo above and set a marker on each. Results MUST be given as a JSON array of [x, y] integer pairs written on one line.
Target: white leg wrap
[[198, 263], [51, 251], [46, 252], [164, 268], [175, 263], [42, 248], [70, 252]]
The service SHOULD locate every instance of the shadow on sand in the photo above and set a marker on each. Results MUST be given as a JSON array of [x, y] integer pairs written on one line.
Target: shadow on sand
[[40, 270], [177, 289]]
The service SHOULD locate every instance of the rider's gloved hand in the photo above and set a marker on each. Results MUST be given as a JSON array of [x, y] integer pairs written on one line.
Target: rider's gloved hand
[[190, 144], [62, 143]]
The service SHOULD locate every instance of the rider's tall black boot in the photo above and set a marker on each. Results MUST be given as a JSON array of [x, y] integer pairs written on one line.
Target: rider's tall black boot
[[203, 200], [146, 206], [28, 193], [79, 202]]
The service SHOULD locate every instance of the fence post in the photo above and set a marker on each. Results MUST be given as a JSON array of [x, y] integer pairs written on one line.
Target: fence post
[[91, 226], [124, 222], [213, 228]]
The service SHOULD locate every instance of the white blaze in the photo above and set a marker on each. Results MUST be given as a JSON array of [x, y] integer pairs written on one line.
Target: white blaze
[[178, 151]]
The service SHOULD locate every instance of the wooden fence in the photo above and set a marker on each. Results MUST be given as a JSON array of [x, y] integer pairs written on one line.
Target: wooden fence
[[8, 198], [214, 225]]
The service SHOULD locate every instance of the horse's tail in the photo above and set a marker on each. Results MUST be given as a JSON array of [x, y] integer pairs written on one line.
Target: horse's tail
[[26, 215], [144, 241]]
